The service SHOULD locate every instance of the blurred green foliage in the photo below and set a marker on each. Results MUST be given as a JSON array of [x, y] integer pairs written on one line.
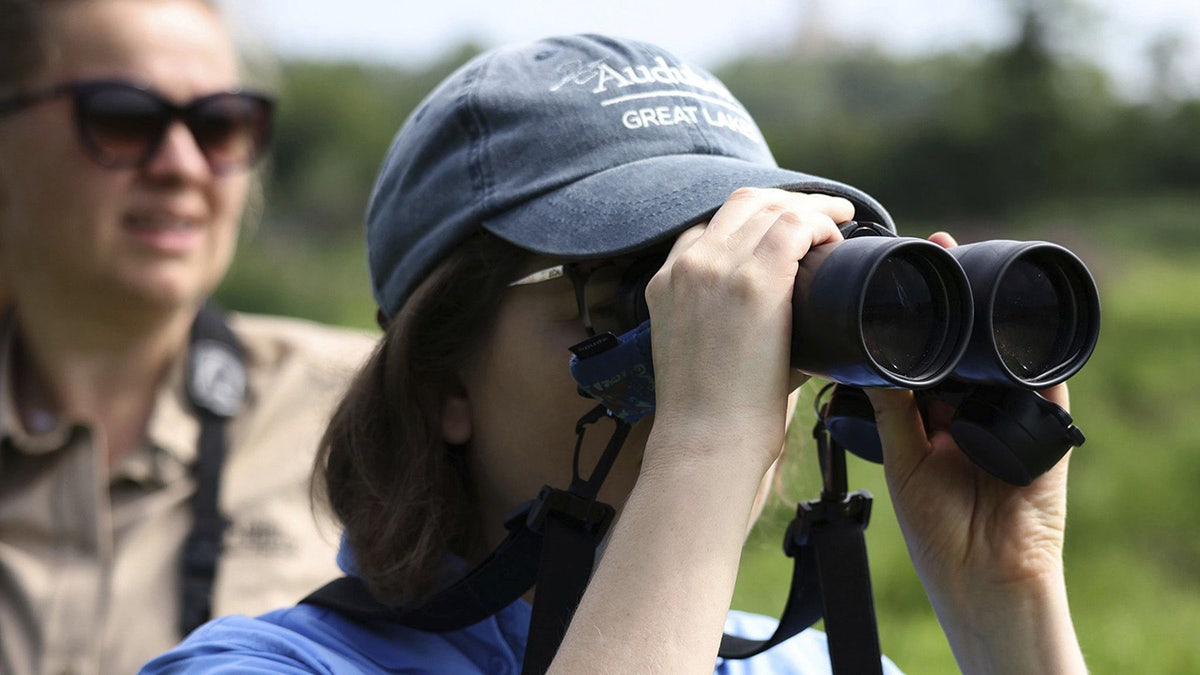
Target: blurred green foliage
[[956, 136], [1017, 142]]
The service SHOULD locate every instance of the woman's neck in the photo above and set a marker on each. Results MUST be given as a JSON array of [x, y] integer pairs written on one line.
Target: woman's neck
[[103, 369]]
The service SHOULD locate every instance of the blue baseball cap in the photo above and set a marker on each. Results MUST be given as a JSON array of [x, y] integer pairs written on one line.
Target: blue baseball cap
[[574, 147]]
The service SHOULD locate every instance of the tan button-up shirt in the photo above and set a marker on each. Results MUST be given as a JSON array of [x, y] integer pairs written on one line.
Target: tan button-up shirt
[[90, 558]]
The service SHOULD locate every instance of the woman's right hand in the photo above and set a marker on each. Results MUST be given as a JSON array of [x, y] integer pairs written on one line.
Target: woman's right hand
[[721, 310]]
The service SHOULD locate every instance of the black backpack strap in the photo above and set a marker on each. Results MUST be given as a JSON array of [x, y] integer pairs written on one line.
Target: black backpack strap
[[216, 387]]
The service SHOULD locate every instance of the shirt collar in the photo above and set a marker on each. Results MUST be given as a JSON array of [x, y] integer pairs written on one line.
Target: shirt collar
[[173, 427], [12, 427]]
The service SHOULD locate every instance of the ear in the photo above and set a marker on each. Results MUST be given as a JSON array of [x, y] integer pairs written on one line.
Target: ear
[[456, 419]]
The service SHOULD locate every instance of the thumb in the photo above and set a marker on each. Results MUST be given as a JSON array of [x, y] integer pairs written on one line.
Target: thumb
[[901, 430]]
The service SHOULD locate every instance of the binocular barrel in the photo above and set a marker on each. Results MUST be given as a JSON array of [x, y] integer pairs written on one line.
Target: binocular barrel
[[880, 311], [872, 311], [1037, 313]]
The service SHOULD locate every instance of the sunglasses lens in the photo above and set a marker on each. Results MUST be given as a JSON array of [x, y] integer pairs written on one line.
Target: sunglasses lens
[[231, 129], [121, 125]]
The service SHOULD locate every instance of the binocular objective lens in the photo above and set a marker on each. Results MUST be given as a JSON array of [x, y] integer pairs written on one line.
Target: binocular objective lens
[[904, 323], [1033, 319]]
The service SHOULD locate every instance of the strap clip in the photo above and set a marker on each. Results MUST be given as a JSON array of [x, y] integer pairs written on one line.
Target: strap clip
[[854, 507], [580, 513]]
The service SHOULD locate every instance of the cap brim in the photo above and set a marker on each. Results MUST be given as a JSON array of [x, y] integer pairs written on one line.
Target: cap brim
[[634, 205]]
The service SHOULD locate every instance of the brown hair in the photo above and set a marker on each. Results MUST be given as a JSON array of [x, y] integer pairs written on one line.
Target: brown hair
[[24, 37], [23, 49], [400, 492]]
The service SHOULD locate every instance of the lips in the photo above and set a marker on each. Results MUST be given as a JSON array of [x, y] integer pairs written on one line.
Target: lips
[[164, 232]]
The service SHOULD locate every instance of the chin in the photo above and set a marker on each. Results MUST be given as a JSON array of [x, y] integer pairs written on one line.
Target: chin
[[167, 292]]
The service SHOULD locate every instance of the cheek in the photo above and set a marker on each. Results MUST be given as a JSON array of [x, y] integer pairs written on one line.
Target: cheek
[[524, 409], [38, 217], [230, 194], [228, 201], [532, 401], [51, 184]]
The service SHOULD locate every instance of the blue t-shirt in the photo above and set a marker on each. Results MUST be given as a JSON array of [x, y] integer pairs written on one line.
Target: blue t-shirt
[[310, 639]]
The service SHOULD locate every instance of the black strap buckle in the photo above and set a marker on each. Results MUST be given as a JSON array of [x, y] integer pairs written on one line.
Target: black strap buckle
[[854, 507], [578, 512]]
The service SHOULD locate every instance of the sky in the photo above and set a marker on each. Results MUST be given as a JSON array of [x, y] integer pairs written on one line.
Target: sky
[[1113, 33]]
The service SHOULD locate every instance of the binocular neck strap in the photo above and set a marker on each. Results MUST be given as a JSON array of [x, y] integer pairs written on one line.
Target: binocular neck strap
[[573, 524], [553, 540], [830, 576]]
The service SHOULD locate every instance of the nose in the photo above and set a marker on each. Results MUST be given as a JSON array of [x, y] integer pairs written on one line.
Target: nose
[[179, 155]]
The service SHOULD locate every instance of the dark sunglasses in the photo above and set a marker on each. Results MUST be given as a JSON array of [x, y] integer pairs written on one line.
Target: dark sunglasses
[[122, 124]]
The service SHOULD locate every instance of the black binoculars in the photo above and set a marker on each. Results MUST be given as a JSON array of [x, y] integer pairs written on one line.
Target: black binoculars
[[979, 325], [877, 310]]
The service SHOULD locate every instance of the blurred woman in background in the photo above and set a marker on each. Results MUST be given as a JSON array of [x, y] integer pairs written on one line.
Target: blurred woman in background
[[127, 142], [512, 205]]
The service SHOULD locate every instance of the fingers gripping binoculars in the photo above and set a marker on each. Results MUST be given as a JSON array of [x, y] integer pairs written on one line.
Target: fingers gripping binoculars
[[980, 326]]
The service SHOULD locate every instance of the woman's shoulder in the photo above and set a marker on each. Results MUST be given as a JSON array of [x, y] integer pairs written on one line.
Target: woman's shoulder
[[271, 340], [293, 639], [310, 639]]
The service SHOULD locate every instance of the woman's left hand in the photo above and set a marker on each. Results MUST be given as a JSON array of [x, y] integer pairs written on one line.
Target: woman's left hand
[[988, 553], [964, 526]]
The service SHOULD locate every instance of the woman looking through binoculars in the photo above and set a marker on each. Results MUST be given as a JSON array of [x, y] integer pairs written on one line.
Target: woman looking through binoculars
[[506, 210]]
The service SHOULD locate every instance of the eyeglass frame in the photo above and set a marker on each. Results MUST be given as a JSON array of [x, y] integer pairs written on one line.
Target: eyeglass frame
[[578, 278], [579, 272], [175, 112]]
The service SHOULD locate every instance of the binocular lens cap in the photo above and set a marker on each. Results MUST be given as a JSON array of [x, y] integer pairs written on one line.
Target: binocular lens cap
[[1013, 434]]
